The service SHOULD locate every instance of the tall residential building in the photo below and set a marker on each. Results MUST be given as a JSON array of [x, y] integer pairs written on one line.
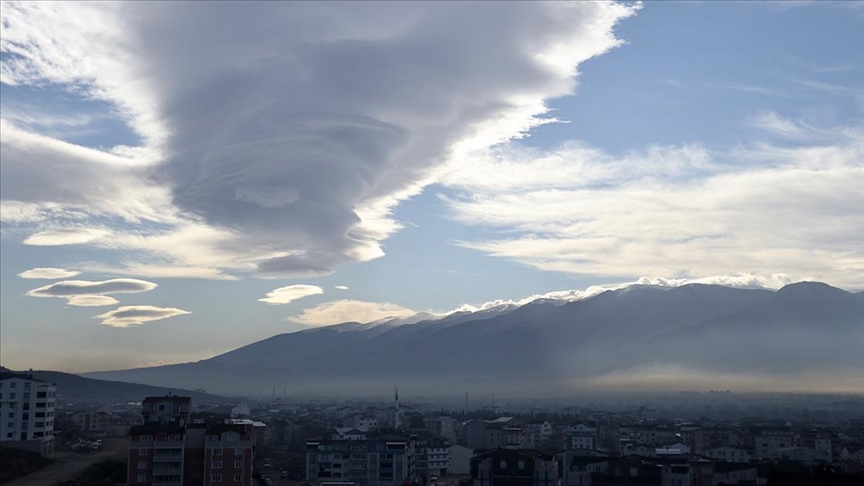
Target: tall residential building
[[169, 409], [168, 450], [385, 460], [27, 412], [513, 467]]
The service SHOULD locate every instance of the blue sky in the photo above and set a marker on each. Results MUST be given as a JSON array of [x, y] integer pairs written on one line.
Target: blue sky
[[399, 151]]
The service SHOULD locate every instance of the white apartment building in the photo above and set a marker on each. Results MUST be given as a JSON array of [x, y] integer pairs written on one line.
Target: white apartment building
[[582, 437], [27, 412]]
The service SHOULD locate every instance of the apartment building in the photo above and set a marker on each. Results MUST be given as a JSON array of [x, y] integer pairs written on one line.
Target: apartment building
[[27, 408], [384, 460], [168, 409], [92, 424], [514, 467], [168, 450], [432, 457]]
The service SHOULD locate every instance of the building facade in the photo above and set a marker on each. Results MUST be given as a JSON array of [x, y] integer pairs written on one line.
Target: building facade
[[386, 460], [514, 467], [27, 412], [169, 451]]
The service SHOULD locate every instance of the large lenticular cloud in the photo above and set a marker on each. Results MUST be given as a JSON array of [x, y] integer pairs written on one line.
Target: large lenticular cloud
[[297, 127]]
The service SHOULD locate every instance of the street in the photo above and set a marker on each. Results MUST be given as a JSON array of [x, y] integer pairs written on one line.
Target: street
[[71, 463]]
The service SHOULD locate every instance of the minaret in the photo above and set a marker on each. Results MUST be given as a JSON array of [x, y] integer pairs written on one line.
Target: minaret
[[397, 414]]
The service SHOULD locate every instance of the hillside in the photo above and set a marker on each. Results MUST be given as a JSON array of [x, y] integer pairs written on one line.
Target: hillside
[[74, 388]]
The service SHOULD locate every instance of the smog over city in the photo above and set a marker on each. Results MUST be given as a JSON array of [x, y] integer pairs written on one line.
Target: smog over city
[[440, 225]]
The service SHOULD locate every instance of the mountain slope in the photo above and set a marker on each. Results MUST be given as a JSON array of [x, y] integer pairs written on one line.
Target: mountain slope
[[545, 344], [74, 388]]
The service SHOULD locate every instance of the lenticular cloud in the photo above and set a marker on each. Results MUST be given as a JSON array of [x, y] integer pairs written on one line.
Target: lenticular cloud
[[295, 128]]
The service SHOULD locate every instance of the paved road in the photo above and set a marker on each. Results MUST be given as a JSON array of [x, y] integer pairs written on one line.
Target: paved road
[[70, 464]]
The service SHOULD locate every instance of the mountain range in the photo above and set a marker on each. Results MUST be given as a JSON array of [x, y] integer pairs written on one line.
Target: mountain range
[[553, 346]]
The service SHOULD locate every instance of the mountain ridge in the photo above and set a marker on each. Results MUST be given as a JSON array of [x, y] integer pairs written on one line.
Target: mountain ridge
[[542, 344]]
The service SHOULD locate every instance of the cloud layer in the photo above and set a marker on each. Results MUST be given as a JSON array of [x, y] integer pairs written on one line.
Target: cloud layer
[[340, 311], [286, 295], [790, 203], [87, 293], [136, 315], [296, 142]]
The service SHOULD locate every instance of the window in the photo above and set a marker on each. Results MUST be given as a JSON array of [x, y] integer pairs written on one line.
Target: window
[[503, 464], [217, 451], [11, 414], [13, 385], [142, 452], [231, 437], [198, 461], [12, 395], [238, 478], [11, 425], [216, 478], [142, 478], [161, 408], [40, 395], [238, 451], [146, 438], [521, 465], [238, 464], [217, 464], [9, 435], [142, 464]]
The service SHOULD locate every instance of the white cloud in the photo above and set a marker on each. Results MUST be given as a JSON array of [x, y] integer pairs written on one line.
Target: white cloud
[[758, 208], [86, 293], [48, 273], [341, 287], [286, 295], [347, 108], [90, 300], [65, 236], [49, 174], [135, 315], [340, 311]]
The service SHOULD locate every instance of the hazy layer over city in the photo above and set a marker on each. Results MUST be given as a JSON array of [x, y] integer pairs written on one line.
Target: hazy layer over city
[[522, 196]]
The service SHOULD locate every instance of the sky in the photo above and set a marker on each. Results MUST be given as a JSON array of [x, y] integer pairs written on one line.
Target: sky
[[180, 179]]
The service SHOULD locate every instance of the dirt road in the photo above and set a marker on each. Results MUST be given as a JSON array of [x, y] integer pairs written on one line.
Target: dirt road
[[71, 463]]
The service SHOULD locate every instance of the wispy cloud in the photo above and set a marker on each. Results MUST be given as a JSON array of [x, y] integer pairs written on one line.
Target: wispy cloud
[[682, 211]]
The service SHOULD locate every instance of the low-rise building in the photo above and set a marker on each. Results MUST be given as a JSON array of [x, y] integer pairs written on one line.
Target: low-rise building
[[728, 454]]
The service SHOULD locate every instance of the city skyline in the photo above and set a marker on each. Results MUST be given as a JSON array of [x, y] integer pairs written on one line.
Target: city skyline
[[180, 180]]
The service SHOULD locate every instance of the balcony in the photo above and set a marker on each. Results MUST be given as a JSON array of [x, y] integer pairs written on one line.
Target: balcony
[[163, 458], [167, 469], [175, 444]]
